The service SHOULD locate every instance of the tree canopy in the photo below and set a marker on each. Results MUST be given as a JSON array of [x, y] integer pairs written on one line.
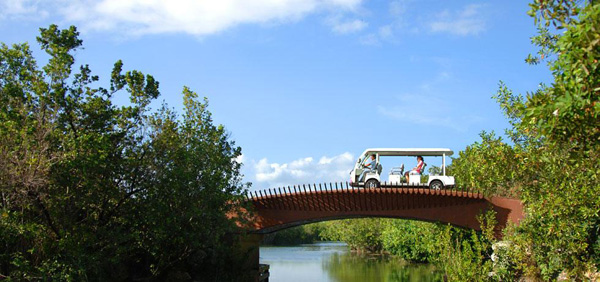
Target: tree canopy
[[553, 163], [91, 190]]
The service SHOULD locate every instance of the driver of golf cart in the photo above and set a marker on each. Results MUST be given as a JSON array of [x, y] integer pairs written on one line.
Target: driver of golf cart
[[369, 166]]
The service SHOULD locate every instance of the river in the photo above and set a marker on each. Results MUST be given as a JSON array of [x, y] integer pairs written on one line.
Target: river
[[332, 261]]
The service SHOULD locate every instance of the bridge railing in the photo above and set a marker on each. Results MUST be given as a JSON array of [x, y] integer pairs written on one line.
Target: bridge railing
[[339, 187]]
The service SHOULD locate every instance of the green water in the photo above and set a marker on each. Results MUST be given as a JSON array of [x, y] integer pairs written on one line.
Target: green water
[[333, 261]]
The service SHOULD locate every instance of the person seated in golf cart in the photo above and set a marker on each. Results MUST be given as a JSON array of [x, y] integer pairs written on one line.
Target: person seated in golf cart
[[417, 170], [369, 166]]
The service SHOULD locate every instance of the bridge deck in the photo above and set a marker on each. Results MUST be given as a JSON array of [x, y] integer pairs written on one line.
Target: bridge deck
[[296, 205]]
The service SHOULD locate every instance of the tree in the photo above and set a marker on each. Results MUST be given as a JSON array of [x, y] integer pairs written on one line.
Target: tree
[[95, 191], [556, 134], [491, 166]]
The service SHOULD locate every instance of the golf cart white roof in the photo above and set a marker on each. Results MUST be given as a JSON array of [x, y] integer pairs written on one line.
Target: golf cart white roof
[[409, 151]]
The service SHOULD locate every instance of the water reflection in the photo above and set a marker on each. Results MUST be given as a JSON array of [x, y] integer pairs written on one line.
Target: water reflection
[[333, 262], [354, 267]]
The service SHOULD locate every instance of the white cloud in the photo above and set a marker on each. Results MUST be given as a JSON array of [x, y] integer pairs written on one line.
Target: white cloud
[[239, 159], [21, 9], [188, 16], [343, 26], [303, 171], [468, 21]]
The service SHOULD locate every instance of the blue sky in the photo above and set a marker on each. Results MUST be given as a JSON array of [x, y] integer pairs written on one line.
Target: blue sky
[[304, 86]]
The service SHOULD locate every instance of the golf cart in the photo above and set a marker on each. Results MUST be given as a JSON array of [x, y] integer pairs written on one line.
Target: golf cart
[[371, 177]]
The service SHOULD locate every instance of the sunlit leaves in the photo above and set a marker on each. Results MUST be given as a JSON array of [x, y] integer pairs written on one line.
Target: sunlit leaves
[[93, 189], [490, 166], [554, 159]]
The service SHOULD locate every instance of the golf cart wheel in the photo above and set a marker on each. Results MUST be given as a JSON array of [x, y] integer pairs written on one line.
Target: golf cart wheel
[[372, 183], [436, 185]]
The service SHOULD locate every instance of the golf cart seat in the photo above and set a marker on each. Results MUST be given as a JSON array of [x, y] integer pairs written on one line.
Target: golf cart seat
[[398, 170]]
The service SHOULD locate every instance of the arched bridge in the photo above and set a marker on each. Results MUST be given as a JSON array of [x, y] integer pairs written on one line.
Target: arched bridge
[[280, 208]]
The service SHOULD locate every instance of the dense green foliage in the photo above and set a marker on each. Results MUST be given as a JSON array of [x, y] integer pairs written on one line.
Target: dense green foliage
[[362, 234], [95, 191], [559, 128], [304, 234], [410, 240], [466, 255], [414, 241], [553, 163], [490, 166]]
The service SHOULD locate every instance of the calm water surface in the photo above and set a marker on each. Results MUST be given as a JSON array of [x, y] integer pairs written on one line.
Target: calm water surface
[[332, 261]]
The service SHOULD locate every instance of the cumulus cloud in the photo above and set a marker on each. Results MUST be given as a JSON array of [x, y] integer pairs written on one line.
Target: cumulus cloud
[[468, 21], [303, 171], [187, 16]]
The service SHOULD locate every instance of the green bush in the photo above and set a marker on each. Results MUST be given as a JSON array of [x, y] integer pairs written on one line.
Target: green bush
[[363, 234], [95, 191], [466, 255], [410, 240], [304, 234], [491, 167]]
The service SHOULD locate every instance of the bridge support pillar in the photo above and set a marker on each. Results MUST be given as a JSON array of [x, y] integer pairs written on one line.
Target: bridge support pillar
[[249, 245]]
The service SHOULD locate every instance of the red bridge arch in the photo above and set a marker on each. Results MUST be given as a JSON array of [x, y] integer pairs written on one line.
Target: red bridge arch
[[277, 209]]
